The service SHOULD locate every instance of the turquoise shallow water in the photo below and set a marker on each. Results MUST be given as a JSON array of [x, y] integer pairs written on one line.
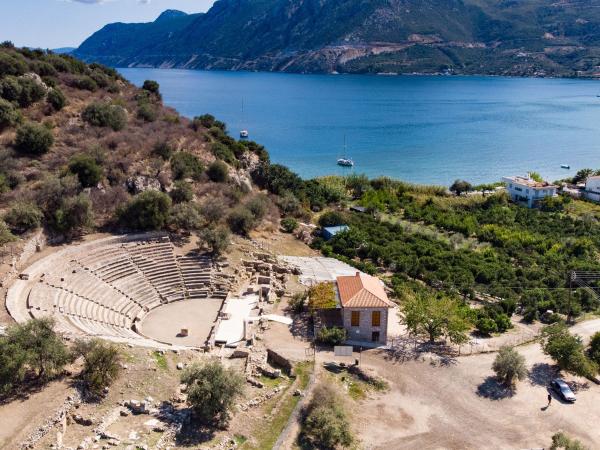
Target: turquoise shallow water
[[416, 128]]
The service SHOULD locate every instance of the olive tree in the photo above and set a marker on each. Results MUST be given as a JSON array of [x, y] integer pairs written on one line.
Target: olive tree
[[509, 366], [212, 390], [101, 363]]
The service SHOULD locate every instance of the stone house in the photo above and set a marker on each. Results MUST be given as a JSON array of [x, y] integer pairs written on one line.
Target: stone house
[[364, 307]]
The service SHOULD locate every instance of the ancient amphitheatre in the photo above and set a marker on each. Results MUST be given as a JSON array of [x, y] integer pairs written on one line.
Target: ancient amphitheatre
[[108, 288]]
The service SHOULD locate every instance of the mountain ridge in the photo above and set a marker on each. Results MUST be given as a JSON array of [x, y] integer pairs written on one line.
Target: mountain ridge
[[507, 37]]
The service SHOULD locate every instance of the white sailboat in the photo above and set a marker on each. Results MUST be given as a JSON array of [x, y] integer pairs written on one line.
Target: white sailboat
[[244, 132], [344, 161]]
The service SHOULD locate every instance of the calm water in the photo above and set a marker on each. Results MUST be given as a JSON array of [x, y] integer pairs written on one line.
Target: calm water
[[420, 129]]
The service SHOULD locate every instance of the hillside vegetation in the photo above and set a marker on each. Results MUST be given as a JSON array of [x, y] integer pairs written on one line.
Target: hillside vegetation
[[526, 37]]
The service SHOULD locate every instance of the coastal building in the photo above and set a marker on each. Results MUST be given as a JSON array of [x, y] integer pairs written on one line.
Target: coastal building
[[592, 189], [364, 307], [329, 232], [527, 191]]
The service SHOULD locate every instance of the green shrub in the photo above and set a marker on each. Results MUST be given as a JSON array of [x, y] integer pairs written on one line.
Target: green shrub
[[73, 215], [224, 153], [289, 224], [151, 86], [85, 83], [186, 165], [487, 326], [5, 235], [241, 220], [56, 99], [22, 217], [13, 360], [12, 64], [206, 121], [331, 219], [101, 364], [44, 69], [105, 115], [30, 92], [163, 150], [561, 441], [258, 206], [324, 422], [567, 350], [331, 335], [10, 89], [9, 115], [87, 170], [147, 211], [297, 302], [594, 349], [182, 192], [45, 351], [33, 139], [509, 366], [218, 172], [212, 391], [185, 216], [212, 210], [147, 112], [216, 239]]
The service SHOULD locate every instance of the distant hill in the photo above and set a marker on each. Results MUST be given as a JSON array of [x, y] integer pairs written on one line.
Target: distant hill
[[64, 50], [509, 37]]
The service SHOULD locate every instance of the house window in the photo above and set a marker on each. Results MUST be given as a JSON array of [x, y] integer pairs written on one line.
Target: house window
[[355, 319], [376, 318]]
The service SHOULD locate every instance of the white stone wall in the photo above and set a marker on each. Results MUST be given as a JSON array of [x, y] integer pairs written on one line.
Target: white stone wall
[[364, 331]]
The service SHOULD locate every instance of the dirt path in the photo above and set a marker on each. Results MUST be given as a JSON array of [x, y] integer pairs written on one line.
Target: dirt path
[[20, 417]]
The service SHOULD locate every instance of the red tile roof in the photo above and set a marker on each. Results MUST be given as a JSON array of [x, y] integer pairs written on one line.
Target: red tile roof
[[362, 291]]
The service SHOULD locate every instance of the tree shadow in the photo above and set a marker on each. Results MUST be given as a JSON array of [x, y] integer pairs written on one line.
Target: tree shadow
[[301, 326], [492, 389], [29, 386], [191, 433], [541, 374]]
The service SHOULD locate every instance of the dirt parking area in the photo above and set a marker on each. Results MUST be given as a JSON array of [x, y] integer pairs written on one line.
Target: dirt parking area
[[457, 404]]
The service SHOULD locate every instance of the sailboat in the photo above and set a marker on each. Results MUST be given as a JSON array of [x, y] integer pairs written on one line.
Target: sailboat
[[244, 132], [344, 161]]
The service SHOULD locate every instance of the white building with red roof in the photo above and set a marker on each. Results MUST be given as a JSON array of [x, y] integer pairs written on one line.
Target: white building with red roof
[[364, 307]]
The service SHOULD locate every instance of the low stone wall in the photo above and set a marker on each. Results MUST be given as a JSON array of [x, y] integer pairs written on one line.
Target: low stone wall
[[276, 359]]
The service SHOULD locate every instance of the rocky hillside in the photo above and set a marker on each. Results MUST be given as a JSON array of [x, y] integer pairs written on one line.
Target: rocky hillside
[[522, 37], [81, 149]]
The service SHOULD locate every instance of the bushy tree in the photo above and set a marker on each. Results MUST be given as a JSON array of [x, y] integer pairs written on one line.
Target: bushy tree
[[101, 364], [212, 210], [582, 175], [147, 112], [218, 172], [182, 192], [212, 390], [102, 114], [147, 211], [73, 215], [185, 216], [435, 317], [86, 168], [321, 296], [567, 350], [85, 83], [460, 187], [151, 86], [486, 326], [186, 165], [13, 360], [30, 92], [331, 335], [509, 366], [217, 239], [56, 99], [12, 64], [33, 139], [9, 115], [241, 220], [331, 219], [594, 348], [23, 216], [324, 423], [45, 351]]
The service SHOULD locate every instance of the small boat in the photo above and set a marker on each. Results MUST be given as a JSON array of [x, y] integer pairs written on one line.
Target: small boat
[[243, 133], [565, 166], [343, 161]]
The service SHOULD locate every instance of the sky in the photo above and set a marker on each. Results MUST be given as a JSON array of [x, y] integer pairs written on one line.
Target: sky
[[67, 23]]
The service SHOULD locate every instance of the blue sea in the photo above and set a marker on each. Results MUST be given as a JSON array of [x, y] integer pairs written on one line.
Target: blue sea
[[422, 129]]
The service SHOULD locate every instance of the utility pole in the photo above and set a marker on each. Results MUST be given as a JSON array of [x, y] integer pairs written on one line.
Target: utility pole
[[572, 277]]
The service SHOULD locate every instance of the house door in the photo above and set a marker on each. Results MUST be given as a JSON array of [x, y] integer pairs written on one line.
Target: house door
[[375, 336]]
